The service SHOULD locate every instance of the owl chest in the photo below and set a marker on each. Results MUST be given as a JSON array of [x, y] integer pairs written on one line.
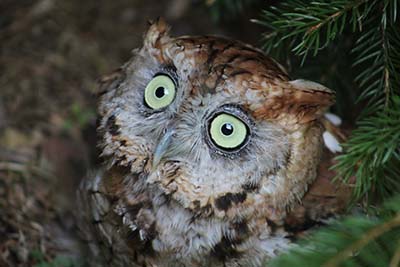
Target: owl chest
[[162, 231], [159, 232]]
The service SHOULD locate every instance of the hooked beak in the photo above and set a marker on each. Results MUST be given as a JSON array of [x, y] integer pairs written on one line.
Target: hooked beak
[[162, 148]]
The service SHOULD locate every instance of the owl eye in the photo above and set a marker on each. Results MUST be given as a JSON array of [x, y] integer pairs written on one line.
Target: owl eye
[[159, 92], [228, 132]]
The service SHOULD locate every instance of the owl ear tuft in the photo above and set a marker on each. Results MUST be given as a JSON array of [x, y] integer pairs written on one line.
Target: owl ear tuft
[[310, 99], [157, 34]]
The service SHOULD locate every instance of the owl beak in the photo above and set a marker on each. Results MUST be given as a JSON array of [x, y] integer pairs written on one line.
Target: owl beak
[[162, 148]]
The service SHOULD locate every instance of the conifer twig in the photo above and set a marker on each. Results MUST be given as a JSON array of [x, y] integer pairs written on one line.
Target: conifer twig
[[362, 242]]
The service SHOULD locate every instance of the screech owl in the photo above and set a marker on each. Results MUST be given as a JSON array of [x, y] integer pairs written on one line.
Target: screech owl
[[208, 145]]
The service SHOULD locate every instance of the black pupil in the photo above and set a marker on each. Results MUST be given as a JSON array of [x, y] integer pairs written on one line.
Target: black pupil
[[160, 92], [227, 129]]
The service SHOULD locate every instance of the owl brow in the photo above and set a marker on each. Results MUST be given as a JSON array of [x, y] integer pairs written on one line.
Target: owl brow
[[169, 70]]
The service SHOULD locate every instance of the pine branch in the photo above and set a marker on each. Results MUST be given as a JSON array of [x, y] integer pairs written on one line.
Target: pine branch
[[378, 54], [353, 241], [367, 238], [310, 26], [373, 154]]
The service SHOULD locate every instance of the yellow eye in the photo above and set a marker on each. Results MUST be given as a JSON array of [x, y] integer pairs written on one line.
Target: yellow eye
[[228, 131], [159, 92]]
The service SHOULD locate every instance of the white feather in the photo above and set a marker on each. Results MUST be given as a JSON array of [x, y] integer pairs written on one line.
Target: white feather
[[331, 142], [333, 118]]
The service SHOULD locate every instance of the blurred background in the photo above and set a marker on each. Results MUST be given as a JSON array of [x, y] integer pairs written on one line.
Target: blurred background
[[51, 54]]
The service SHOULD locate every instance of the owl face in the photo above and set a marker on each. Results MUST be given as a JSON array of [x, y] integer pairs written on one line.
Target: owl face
[[213, 124]]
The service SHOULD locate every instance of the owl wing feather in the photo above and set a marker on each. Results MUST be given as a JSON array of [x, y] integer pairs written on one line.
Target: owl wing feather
[[99, 224], [326, 197]]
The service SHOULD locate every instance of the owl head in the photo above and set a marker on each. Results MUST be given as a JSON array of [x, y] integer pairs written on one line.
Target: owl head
[[214, 124]]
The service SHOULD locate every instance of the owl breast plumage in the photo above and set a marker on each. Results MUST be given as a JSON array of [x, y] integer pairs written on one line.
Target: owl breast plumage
[[208, 144]]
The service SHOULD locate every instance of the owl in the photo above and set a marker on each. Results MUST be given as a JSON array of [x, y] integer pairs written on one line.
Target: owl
[[208, 145]]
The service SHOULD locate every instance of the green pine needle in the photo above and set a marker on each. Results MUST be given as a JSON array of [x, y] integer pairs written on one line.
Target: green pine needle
[[372, 154], [356, 241], [378, 57], [309, 27]]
